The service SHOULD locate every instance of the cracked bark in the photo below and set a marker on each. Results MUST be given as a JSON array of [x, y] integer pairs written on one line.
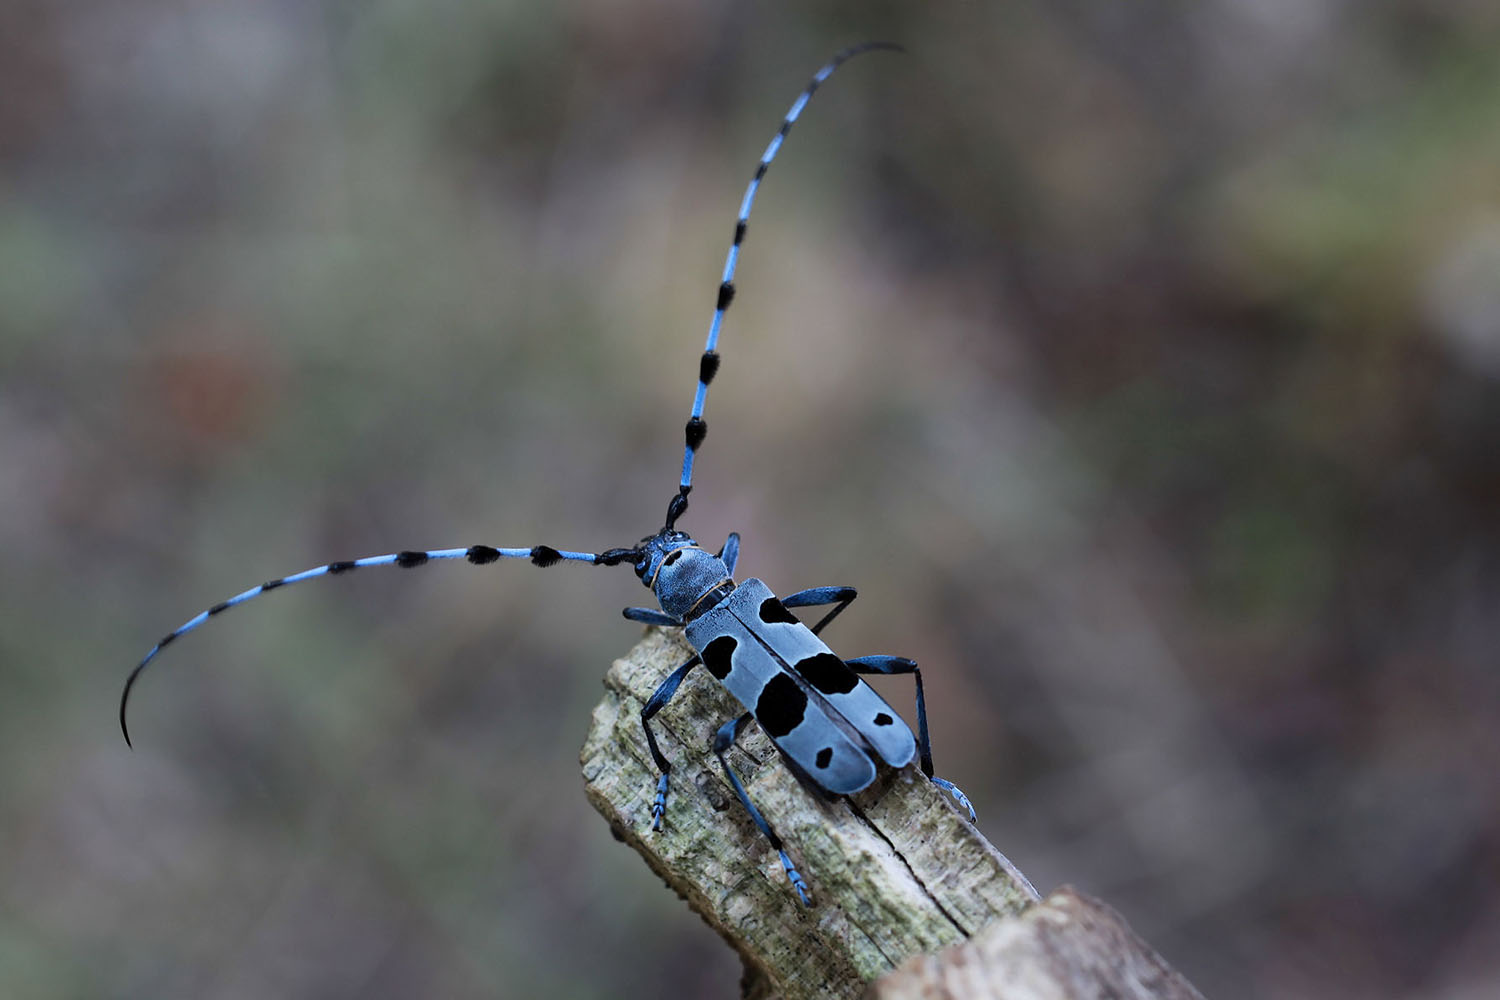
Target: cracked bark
[[895, 872]]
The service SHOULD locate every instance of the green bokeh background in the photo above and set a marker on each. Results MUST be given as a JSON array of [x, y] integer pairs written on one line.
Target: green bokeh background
[[1139, 363]]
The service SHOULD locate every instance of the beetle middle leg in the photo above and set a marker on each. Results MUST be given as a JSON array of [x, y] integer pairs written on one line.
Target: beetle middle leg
[[815, 597], [722, 741]]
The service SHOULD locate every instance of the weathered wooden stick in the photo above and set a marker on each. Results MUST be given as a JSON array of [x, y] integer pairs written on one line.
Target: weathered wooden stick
[[894, 871]]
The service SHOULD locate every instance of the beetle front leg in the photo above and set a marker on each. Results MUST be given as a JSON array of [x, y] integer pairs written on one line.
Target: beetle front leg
[[657, 701]]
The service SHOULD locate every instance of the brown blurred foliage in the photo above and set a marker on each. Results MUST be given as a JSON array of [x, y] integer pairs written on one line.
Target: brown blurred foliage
[[1137, 361]]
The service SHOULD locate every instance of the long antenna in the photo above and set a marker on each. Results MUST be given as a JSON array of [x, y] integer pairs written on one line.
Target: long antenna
[[709, 365], [479, 555]]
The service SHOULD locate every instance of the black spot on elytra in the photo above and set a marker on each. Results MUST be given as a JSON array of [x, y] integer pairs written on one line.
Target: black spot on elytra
[[218, 607], [717, 655], [481, 555], [773, 611], [824, 756], [708, 366], [883, 720], [340, 567], [544, 555], [672, 557], [780, 707], [827, 673], [406, 560], [695, 432]]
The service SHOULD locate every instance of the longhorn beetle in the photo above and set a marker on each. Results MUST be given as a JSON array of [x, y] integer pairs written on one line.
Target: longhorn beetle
[[829, 725]]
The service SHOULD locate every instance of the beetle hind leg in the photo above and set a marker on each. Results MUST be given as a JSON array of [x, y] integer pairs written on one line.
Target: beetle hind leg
[[892, 665], [958, 795]]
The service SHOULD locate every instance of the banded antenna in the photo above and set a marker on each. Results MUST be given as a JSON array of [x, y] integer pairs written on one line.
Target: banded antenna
[[708, 366], [479, 555]]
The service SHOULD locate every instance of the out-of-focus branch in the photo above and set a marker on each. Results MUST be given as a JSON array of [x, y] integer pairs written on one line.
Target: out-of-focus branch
[[1069, 947]]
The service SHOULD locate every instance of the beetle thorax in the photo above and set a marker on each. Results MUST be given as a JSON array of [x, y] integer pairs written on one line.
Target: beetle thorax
[[688, 581]]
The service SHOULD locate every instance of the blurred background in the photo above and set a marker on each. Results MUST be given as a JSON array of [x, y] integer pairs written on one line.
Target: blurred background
[[1137, 362]]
